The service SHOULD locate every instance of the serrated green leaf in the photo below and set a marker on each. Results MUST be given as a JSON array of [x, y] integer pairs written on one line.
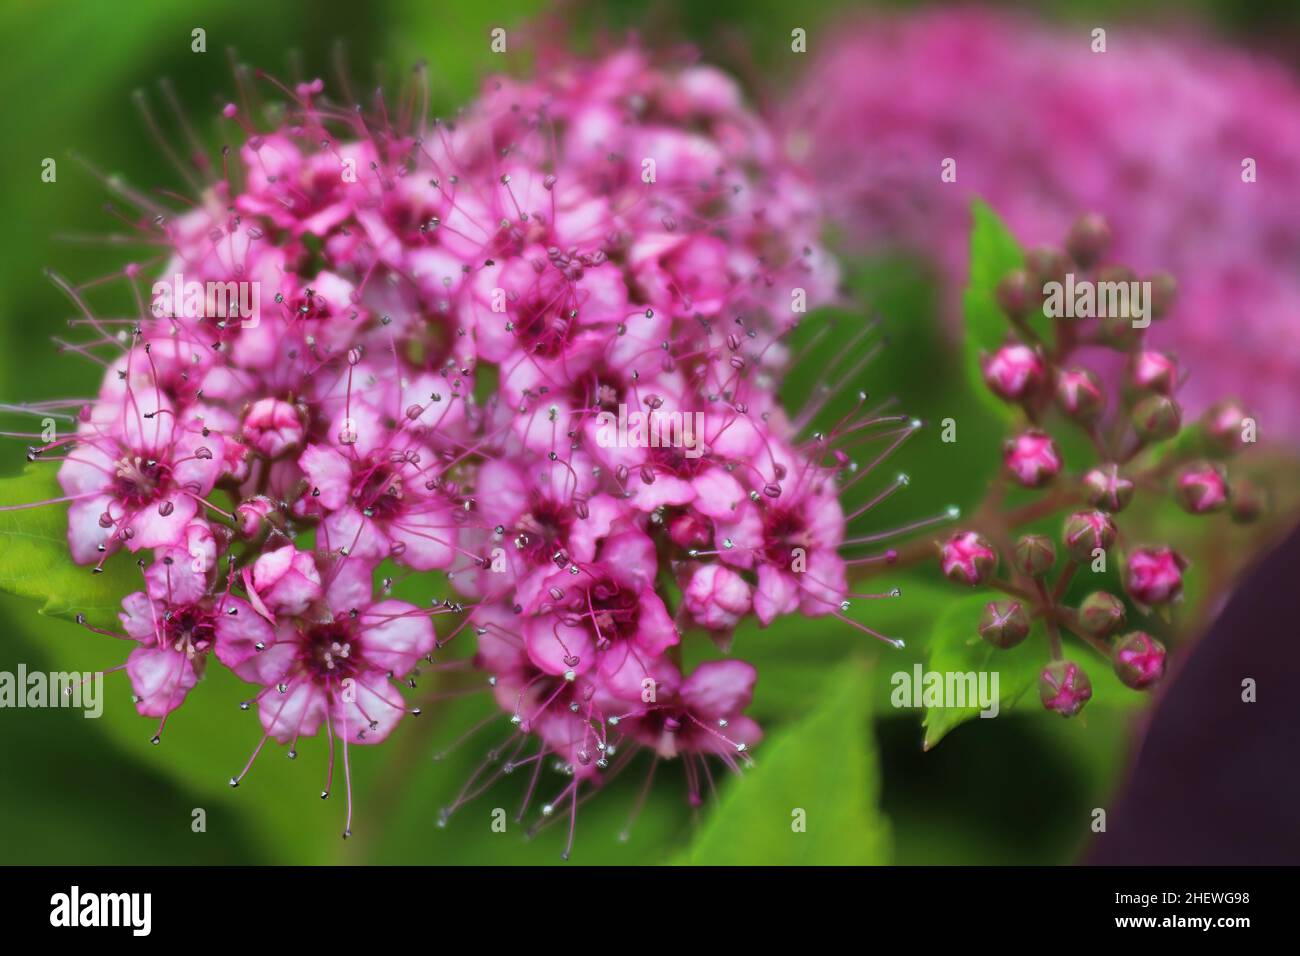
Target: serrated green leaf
[[35, 562], [994, 252], [824, 766], [957, 648]]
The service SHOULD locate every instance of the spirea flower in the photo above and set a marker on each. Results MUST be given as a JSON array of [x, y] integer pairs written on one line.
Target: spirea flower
[[534, 353]]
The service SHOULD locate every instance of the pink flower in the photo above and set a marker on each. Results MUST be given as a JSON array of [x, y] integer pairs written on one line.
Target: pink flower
[[376, 487], [135, 475], [705, 715], [177, 622], [332, 666]]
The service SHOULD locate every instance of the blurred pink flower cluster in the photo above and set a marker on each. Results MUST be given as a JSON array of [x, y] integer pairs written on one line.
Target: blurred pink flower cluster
[[1154, 133], [536, 348]]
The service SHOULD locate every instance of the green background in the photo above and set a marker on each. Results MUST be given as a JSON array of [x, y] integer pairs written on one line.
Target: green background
[[1019, 789]]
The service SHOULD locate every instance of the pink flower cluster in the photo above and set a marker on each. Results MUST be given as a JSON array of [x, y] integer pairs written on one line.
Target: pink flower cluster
[[536, 349], [1190, 150]]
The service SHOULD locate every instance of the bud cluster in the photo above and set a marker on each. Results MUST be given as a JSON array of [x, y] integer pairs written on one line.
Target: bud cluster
[[1136, 431]]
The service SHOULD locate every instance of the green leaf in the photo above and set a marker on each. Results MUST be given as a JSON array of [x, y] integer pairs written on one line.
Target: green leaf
[[35, 562], [994, 252], [824, 765], [958, 648]]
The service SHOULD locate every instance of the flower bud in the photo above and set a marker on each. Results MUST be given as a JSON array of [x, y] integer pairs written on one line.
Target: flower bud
[[1154, 576], [1045, 265], [1157, 417], [1086, 531], [1035, 555], [1101, 614], [1151, 371], [1004, 624], [1080, 395], [1164, 292], [1064, 688], [1119, 333], [1246, 500], [1107, 489], [690, 531], [250, 514], [1222, 425], [1201, 488], [1014, 372], [1015, 294], [1139, 660], [1088, 240], [967, 558], [272, 427], [1031, 458]]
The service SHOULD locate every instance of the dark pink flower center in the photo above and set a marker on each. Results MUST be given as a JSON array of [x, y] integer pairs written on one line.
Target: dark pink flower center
[[138, 481], [329, 652]]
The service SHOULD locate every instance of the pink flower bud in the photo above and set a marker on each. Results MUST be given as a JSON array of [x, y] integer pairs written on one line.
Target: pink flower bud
[[690, 531], [1032, 459], [967, 558], [251, 513], [1014, 372], [1101, 614], [1086, 531], [1154, 576], [1088, 240], [1015, 294], [1139, 660], [286, 579], [1004, 623], [1080, 395], [1222, 424], [716, 597], [1064, 688], [273, 427], [1151, 371], [1107, 489], [1035, 555], [1157, 417], [1201, 488]]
